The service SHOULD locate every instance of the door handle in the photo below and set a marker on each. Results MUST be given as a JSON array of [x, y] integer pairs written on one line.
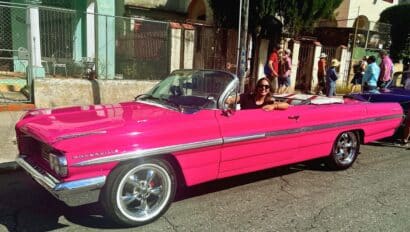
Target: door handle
[[296, 117]]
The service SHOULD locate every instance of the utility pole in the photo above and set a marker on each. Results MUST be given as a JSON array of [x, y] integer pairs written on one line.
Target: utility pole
[[242, 42], [353, 46]]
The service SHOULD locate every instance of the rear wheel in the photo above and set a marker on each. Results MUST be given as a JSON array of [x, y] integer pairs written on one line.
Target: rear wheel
[[139, 192], [345, 150]]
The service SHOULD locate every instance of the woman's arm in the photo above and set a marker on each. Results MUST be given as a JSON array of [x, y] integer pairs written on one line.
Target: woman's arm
[[276, 106]]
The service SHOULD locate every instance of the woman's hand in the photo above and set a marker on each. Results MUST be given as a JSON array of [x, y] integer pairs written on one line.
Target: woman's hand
[[276, 106], [269, 107]]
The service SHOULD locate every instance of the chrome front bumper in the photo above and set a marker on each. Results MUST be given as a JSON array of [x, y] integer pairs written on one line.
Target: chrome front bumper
[[73, 193]]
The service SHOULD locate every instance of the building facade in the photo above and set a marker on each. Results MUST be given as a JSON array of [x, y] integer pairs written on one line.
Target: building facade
[[368, 11]]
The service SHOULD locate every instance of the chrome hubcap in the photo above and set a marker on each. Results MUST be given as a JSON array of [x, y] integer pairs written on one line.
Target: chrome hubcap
[[144, 192], [346, 148]]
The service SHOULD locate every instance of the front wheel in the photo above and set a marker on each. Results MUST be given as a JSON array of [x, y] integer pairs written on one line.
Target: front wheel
[[344, 152], [137, 193]]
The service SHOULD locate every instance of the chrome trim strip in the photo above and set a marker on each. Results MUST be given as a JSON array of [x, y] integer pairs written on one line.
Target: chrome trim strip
[[284, 132], [80, 185], [76, 135], [73, 193], [309, 128], [243, 138], [226, 140], [225, 94], [43, 180], [150, 152], [151, 103]]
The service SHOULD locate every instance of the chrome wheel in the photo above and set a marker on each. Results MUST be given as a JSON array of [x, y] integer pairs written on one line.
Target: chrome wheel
[[143, 192], [345, 150], [138, 192]]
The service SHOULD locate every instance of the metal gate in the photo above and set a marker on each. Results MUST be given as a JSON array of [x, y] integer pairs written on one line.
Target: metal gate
[[214, 48], [305, 66], [14, 54]]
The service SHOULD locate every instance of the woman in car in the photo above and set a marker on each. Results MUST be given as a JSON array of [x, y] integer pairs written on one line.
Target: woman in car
[[261, 97]]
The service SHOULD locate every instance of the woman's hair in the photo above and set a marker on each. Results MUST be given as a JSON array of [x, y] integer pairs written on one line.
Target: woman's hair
[[269, 96]]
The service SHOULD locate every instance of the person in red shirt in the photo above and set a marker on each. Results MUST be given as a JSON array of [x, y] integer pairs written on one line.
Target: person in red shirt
[[321, 74], [272, 67], [285, 65]]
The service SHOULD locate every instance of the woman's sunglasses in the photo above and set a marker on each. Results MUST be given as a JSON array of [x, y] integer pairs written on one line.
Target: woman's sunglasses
[[263, 86]]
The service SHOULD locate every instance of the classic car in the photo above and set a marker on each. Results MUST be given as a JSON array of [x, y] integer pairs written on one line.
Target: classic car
[[394, 94], [132, 156]]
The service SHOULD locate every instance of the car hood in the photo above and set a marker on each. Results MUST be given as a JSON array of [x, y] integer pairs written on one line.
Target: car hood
[[54, 125]]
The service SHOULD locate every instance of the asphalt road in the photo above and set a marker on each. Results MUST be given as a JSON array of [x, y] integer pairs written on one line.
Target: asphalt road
[[373, 195]]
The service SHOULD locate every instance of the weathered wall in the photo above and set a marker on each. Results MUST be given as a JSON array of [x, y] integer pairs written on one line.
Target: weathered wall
[[175, 5], [68, 92]]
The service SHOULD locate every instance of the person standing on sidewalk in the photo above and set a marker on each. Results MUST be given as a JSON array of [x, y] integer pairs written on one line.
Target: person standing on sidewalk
[[331, 78], [386, 70], [272, 67], [358, 75], [321, 74], [285, 65], [370, 75]]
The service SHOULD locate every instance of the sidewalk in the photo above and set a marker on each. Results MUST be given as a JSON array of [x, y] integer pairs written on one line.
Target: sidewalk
[[8, 144]]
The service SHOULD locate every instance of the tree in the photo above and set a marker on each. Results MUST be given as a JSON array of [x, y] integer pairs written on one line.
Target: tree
[[226, 13], [399, 18], [297, 15], [300, 15]]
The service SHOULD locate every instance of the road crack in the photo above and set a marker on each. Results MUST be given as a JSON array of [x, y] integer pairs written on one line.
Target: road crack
[[174, 228], [286, 184]]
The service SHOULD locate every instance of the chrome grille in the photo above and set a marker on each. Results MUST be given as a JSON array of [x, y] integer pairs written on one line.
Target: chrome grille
[[35, 166], [45, 150]]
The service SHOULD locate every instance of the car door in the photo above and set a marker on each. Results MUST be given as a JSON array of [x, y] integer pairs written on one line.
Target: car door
[[320, 125], [256, 139]]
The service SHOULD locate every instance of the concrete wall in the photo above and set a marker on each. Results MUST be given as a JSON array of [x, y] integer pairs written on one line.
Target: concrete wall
[[68, 92], [263, 57], [175, 49], [295, 65], [175, 5], [105, 42], [350, 9], [189, 46]]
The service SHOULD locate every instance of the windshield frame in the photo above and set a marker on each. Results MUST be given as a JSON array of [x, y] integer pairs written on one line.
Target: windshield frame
[[155, 98]]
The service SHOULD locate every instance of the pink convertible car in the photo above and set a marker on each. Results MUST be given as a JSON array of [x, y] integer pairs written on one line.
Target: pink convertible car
[[132, 156]]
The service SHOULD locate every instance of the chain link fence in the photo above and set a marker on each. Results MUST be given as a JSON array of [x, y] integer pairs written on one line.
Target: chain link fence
[[13, 38], [371, 36], [142, 49], [14, 55], [74, 44]]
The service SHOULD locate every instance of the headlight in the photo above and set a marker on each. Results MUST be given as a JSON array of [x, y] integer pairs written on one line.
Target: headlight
[[58, 164]]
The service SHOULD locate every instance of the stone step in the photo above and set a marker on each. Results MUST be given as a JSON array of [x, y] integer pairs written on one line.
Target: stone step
[[12, 97]]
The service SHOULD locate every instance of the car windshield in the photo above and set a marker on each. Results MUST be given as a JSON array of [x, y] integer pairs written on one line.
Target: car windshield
[[189, 90]]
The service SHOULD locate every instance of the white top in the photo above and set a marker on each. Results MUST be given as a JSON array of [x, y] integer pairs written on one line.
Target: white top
[[314, 99]]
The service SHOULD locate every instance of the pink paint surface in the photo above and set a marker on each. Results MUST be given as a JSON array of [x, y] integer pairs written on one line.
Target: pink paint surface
[[84, 133]]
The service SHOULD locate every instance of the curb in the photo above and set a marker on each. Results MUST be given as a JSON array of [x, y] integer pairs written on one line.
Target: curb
[[9, 167], [17, 107]]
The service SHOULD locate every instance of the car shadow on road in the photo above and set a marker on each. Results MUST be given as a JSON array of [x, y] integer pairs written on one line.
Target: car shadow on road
[[389, 142], [37, 210], [235, 181]]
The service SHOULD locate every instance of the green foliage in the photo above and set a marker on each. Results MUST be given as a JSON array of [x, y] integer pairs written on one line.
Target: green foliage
[[399, 17], [298, 15], [226, 12]]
